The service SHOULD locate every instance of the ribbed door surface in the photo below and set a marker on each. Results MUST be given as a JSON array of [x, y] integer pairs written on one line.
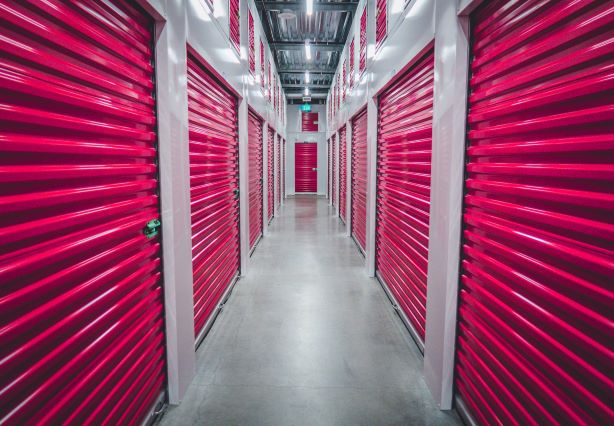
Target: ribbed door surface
[[329, 166], [278, 172], [334, 170], [305, 161], [535, 309], [270, 172], [254, 131], [403, 188], [214, 186], [81, 301], [342, 172], [359, 178]]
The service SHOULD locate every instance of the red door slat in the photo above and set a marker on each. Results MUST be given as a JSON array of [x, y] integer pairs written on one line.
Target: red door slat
[[305, 161], [214, 185], [342, 172], [255, 148], [271, 172], [81, 291], [359, 178], [403, 188], [535, 303]]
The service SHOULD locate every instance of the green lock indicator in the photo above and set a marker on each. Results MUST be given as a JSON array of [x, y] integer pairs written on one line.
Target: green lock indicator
[[152, 228]]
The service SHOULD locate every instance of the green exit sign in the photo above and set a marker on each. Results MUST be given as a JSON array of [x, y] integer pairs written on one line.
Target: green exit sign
[[306, 107]]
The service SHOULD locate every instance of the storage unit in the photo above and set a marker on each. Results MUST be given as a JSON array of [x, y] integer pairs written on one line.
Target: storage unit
[[270, 173], [278, 172], [342, 173], [283, 169], [359, 179], [81, 294], [403, 189], [334, 171], [305, 167], [214, 190], [535, 304], [255, 148]]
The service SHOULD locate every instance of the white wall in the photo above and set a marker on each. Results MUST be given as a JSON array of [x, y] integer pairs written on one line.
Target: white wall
[[414, 26], [293, 130], [180, 23]]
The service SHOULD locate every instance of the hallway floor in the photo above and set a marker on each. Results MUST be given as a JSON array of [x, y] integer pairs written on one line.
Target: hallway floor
[[307, 338]]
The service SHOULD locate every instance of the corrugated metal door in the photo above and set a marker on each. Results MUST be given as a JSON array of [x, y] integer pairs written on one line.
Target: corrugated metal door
[[342, 173], [278, 172], [329, 166], [535, 308], [270, 172], [359, 178], [81, 300], [305, 167], [403, 188], [381, 21], [334, 170], [214, 190], [283, 170], [254, 131]]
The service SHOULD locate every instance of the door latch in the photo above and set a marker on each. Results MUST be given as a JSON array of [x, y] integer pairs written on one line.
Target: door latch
[[236, 192], [152, 228]]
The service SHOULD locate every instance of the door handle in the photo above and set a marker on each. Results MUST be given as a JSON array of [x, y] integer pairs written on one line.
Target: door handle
[[314, 169]]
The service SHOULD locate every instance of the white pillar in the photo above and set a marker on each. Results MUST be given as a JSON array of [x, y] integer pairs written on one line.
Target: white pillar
[[348, 175], [371, 184], [449, 116], [243, 118], [173, 151]]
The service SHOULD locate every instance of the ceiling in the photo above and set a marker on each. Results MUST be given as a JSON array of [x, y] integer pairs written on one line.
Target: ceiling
[[327, 31]]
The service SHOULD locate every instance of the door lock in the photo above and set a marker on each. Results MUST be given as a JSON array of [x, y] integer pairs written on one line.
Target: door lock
[[152, 228], [236, 193]]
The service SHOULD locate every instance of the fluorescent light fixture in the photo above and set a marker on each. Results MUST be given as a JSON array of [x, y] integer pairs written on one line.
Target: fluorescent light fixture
[[309, 7], [308, 50], [307, 79], [306, 91]]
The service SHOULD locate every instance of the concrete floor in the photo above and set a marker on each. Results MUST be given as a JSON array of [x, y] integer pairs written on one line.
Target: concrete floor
[[307, 338]]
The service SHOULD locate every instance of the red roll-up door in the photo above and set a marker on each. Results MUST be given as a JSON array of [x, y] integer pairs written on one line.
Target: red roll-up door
[[278, 172], [329, 166], [381, 21], [342, 173], [359, 178], [535, 308], [214, 186], [305, 167], [334, 170], [283, 170], [403, 188], [270, 173], [254, 131], [81, 300]]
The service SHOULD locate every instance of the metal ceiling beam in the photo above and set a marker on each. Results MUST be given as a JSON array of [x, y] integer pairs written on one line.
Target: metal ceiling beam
[[302, 86], [297, 45], [300, 71], [299, 95], [317, 6]]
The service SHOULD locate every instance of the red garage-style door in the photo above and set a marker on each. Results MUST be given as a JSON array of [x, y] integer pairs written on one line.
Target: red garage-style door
[[81, 300], [254, 131], [305, 167], [535, 307], [278, 172], [214, 187], [334, 171], [270, 173], [403, 189], [342, 173], [359, 179]]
